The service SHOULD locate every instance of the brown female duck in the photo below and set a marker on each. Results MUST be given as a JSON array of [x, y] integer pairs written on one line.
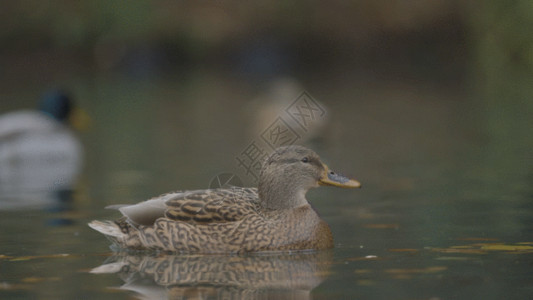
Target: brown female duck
[[274, 217]]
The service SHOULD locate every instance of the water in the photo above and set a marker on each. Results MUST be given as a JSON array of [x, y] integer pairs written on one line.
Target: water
[[444, 212]]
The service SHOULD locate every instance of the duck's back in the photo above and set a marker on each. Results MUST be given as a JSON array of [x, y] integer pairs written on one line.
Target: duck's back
[[25, 121]]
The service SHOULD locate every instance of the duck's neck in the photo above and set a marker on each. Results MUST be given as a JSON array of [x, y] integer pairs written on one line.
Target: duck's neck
[[280, 196]]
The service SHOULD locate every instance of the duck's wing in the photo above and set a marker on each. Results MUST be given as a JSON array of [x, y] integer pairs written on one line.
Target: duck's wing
[[146, 212], [196, 207], [213, 205]]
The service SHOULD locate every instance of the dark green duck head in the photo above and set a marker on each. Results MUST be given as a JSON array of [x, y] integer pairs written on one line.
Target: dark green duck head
[[288, 174], [56, 104], [59, 105]]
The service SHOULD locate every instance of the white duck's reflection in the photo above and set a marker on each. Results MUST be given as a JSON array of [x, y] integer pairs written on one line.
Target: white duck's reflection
[[40, 156], [272, 276]]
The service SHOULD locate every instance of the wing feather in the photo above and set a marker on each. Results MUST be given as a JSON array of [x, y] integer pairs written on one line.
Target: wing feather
[[212, 206]]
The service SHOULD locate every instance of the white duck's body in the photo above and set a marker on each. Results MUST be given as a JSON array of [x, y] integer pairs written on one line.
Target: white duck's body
[[38, 154]]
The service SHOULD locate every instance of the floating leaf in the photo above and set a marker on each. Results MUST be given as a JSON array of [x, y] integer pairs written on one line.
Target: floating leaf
[[24, 258], [462, 247], [484, 248], [33, 279], [21, 258], [502, 247], [365, 282]]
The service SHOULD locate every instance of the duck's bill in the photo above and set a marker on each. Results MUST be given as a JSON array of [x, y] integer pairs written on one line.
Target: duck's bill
[[80, 119], [333, 179]]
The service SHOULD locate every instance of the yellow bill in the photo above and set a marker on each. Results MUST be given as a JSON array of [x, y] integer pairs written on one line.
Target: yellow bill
[[333, 179], [79, 119]]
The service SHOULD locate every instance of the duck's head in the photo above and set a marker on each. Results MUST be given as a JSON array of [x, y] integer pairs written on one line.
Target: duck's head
[[288, 174], [56, 104]]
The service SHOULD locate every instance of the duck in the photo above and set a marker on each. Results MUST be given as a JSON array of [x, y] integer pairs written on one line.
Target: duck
[[275, 216], [39, 152]]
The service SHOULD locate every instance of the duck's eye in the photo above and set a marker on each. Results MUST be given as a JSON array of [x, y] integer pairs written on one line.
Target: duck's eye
[[305, 160]]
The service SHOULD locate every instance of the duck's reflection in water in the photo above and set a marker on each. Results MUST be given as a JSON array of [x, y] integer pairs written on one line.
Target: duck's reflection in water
[[265, 276]]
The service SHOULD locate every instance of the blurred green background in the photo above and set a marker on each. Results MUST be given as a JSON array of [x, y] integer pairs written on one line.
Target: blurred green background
[[117, 57], [450, 41], [485, 46], [429, 106]]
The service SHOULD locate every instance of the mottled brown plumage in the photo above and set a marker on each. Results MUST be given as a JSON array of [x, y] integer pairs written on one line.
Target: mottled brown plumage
[[216, 205], [274, 217]]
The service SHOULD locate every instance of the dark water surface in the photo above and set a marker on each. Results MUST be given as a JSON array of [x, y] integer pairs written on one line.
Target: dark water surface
[[445, 211]]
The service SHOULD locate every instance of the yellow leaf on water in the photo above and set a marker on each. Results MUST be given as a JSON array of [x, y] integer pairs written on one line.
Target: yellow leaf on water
[[461, 247], [365, 282], [502, 247], [435, 269], [21, 258], [484, 248], [24, 258]]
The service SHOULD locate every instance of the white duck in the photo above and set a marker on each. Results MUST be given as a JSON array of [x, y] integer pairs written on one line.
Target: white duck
[[39, 153]]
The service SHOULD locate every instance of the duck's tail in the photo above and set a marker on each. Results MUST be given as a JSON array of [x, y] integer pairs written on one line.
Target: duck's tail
[[118, 232], [108, 228]]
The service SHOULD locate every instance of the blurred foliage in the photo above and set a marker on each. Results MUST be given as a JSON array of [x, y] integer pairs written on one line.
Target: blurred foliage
[[498, 31], [64, 23], [195, 30], [502, 34], [68, 24], [455, 41]]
